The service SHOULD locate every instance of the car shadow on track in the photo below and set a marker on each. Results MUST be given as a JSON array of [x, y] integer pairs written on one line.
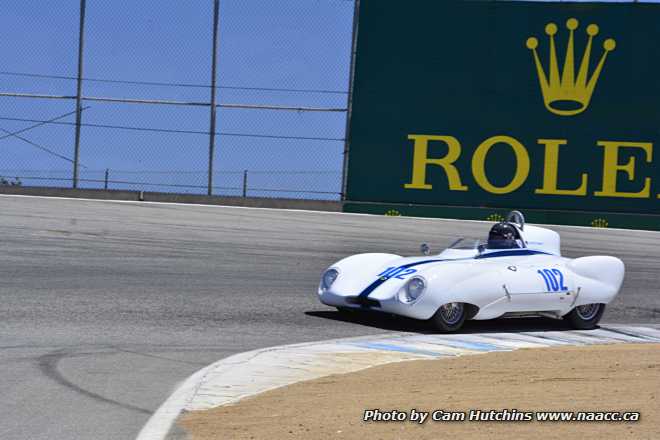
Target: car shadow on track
[[402, 324]]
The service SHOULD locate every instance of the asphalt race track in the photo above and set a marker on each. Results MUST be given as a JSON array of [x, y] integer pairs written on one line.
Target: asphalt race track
[[106, 306]]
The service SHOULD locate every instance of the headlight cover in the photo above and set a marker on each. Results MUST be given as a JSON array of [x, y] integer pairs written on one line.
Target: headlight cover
[[328, 278], [412, 290]]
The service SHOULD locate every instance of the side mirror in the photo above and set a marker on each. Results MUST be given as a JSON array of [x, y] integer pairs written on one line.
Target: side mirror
[[425, 248]]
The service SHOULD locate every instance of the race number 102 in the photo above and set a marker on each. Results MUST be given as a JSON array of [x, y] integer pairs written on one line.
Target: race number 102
[[554, 280]]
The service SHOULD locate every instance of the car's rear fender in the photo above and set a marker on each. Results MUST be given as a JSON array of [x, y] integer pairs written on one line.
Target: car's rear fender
[[599, 278]]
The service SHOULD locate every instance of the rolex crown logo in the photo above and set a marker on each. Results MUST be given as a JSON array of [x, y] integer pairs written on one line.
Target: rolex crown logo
[[569, 95]]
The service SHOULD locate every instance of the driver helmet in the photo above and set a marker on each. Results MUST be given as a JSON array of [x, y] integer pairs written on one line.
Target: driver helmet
[[503, 235]]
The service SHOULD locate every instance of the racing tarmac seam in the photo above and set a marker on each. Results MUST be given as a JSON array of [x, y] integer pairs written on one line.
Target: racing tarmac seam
[[242, 375]]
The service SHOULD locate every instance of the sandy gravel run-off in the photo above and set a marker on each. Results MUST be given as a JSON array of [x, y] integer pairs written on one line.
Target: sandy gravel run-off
[[600, 377]]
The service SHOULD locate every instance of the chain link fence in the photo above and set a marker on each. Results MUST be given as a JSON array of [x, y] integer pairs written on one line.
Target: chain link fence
[[146, 94]]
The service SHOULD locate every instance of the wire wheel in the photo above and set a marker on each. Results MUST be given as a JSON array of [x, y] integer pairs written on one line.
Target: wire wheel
[[451, 313], [587, 311]]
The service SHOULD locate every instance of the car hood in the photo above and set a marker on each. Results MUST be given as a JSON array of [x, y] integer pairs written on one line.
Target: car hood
[[382, 279]]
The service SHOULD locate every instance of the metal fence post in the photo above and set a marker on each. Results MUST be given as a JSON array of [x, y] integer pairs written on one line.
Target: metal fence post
[[81, 40], [214, 59], [349, 100], [245, 183]]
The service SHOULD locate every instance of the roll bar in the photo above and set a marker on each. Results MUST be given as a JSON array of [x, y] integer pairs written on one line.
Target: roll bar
[[517, 218]]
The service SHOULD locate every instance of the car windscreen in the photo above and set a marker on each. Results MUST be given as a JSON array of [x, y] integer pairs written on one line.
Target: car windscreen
[[466, 243]]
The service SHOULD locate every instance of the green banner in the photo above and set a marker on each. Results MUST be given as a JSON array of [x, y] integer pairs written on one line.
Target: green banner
[[534, 105]]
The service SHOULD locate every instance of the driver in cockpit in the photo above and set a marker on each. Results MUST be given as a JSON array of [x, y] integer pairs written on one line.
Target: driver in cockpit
[[504, 235]]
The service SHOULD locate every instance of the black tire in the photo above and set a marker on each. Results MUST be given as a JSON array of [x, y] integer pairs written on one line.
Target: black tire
[[585, 318], [446, 322]]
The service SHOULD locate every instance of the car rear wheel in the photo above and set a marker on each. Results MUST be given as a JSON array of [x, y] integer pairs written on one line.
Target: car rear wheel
[[449, 317], [585, 317]]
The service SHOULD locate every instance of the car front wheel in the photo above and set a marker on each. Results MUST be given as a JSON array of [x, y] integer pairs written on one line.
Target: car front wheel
[[449, 317], [585, 317]]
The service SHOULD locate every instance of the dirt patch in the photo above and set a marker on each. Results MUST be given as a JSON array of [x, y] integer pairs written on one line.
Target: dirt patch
[[623, 377]]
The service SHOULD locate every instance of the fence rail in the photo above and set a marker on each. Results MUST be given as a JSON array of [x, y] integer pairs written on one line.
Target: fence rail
[[322, 185]]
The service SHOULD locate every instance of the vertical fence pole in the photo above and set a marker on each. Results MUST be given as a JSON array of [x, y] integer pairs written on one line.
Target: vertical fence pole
[[81, 40], [349, 99], [214, 59], [245, 183], [107, 174]]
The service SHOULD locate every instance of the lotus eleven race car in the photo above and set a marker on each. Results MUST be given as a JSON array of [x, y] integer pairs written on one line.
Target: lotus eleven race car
[[517, 272]]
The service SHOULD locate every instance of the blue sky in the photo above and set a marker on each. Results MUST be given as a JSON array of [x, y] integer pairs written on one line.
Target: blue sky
[[288, 44], [283, 44]]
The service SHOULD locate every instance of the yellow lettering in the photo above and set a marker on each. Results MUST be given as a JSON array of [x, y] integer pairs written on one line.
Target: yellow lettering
[[479, 165], [551, 171], [421, 160], [611, 168]]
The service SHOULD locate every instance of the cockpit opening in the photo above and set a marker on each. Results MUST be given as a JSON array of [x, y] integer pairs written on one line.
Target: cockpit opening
[[504, 235]]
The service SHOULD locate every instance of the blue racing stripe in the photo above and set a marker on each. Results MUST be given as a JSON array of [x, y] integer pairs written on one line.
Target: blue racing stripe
[[373, 286], [515, 252]]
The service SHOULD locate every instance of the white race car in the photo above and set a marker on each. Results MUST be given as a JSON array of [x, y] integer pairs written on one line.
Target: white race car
[[518, 271]]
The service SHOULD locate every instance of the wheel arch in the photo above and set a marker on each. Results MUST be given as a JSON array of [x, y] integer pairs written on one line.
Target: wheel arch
[[471, 310]]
